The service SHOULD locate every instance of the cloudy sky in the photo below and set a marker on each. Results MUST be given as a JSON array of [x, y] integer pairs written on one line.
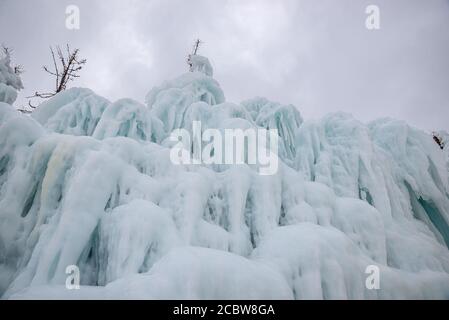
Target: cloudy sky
[[317, 55]]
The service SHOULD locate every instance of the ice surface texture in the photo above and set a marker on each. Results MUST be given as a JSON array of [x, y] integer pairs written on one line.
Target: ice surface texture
[[90, 183]]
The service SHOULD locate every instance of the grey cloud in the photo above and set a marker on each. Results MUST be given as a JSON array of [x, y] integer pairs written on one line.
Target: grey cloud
[[317, 55]]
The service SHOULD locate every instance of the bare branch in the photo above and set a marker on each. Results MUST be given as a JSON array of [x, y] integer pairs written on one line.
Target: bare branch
[[66, 67], [50, 72], [196, 46], [26, 110]]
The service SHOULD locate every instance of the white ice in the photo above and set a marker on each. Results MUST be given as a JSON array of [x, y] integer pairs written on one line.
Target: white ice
[[87, 182], [10, 81]]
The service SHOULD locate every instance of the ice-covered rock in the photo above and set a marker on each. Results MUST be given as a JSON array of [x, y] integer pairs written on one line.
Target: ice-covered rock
[[88, 183]]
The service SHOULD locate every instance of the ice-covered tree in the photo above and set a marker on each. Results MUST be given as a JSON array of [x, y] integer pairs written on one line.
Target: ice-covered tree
[[199, 63], [10, 81]]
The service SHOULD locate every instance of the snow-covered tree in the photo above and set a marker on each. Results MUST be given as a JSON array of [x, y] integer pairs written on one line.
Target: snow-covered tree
[[199, 63], [10, 81]]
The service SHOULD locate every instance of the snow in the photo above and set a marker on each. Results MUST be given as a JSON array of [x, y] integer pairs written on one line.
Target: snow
[[87, 182]]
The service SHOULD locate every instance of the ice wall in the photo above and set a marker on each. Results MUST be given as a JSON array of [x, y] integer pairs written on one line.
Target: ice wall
[[90, 183]]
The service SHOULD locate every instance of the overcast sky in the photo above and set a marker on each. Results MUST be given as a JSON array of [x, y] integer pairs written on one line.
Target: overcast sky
[[315, 54]]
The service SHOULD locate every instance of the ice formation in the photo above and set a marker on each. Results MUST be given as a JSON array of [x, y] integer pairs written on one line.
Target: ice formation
[[10, 81], [201, 64], [87, 182]]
